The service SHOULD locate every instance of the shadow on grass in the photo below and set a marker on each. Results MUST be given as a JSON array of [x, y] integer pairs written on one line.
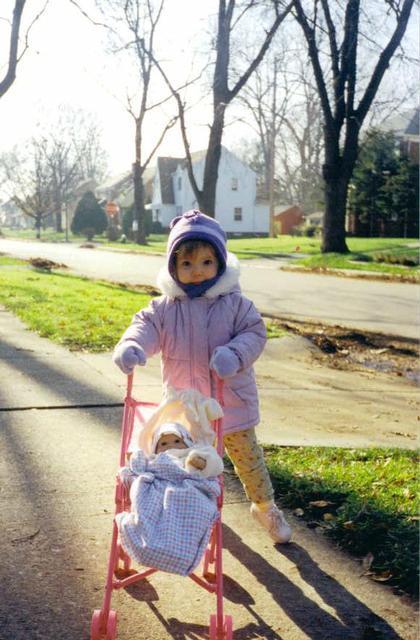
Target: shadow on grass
[[358, 524]]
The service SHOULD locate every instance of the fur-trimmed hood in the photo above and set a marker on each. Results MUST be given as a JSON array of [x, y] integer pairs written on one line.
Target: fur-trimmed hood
[[228, 281]]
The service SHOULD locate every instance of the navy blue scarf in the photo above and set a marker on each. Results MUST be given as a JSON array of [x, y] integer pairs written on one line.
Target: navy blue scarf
[[196, 290]]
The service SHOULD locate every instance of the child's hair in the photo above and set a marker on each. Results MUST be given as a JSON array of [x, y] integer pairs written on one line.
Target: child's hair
[[189, 247]]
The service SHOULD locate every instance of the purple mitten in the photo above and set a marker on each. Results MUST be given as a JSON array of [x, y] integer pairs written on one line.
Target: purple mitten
[[127, 355], [224, 362]]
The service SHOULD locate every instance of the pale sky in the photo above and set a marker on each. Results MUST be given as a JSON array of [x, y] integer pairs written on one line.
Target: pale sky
[[66, 63]]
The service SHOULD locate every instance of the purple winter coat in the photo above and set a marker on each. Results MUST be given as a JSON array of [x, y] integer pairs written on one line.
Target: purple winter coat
[[186, 332]]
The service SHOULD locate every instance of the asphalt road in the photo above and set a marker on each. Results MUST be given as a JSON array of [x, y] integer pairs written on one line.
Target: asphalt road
[[386, 307]]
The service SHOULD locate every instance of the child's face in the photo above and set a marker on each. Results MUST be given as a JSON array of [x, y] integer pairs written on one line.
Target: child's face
[[193, 268], [170, 441]]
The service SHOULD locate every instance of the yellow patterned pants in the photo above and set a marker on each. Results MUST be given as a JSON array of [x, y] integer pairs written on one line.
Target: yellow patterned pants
[[248, 460]]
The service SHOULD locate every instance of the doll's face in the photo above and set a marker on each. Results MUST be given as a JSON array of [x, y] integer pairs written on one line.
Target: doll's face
[[196, 266], [170, 441]]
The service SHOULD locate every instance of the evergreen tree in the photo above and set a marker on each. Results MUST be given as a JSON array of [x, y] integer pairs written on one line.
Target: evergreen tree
[[384, 190], [89, 218]]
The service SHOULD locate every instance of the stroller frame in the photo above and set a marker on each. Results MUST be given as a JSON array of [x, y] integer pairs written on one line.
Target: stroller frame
[[121, 575]]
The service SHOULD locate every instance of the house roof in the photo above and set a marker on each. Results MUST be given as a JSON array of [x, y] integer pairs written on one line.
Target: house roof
[[166, 167], [405, 123], [120, 187], [282, 210]]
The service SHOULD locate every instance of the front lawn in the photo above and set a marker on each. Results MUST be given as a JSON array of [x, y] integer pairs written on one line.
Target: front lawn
[[76, 312]]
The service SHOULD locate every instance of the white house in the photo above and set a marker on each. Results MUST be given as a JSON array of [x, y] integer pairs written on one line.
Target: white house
[[237, 208]]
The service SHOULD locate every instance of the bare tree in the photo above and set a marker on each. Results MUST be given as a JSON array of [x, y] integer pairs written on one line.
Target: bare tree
[[266, 102], [300, 150], [132, 27], [342, 117], [229, 14], [28, 182], [73, 152], [14, 56]]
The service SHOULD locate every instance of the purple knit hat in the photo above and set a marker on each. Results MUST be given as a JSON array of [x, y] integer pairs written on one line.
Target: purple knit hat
[[194, 225]]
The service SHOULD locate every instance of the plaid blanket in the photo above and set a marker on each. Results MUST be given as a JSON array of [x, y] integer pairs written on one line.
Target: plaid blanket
[[172, 513]]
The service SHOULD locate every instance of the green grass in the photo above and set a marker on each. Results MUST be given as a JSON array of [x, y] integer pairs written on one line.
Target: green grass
[[367, 501], [359, 262], [76, 312]]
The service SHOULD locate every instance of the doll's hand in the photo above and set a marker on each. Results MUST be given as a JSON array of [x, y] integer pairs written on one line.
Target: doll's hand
[[126, 477], [196, 461], [127, 356], [224, 362]]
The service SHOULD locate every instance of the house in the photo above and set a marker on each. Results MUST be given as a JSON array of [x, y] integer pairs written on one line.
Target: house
[[286, 218], [237, 208], [13, 217], [315, 219], [405, 127]]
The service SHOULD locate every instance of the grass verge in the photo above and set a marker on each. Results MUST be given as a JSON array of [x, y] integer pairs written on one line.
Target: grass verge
[[76, 312], [82, 314], [366, 500], [361, 262]]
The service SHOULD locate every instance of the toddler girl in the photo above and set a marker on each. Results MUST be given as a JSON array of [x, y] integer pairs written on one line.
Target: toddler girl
[[202, 322]]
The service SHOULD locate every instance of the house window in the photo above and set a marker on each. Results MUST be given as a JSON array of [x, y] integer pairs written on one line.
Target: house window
[[156, 215], [234, 184], [179, 184], [237, 214]]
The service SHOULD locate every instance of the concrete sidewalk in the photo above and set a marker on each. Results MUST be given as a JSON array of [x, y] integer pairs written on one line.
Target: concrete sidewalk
[[60, 416]]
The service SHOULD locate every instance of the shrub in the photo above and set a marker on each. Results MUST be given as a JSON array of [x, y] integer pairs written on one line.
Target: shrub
[[394, 258], [113, 233], [89, 218]]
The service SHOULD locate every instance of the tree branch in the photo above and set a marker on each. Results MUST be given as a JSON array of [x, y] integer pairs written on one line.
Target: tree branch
[[10, 75], [254, 64], [383, 62]]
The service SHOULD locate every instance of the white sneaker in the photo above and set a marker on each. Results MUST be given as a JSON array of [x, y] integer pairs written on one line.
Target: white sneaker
[[274, 522]]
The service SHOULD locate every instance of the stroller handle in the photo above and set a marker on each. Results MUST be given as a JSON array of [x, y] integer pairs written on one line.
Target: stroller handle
[[219, 387]]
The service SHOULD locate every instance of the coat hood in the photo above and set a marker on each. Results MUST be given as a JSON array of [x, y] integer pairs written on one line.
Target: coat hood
[[228, 281]]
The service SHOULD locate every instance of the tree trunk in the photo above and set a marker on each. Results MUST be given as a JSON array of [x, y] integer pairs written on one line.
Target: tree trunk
[[334, 227], [207, 201], [58, 220], [139, 231], [38, 220]]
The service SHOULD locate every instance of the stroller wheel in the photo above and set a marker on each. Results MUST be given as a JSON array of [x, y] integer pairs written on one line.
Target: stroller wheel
[[111, 627], [95, 626], [223, 634]]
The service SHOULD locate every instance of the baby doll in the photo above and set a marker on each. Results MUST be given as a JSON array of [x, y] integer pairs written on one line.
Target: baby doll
[[175, 440], [173, 495]]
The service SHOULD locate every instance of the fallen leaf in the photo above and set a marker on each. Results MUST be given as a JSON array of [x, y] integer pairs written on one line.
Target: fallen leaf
[[349, 524], [383, 576], [320, 504], [298, 512], [367, 561], [328, 517]]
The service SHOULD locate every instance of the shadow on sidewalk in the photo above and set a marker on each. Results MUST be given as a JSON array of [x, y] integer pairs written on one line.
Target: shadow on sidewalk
[[355, 619], [51, 581], [70, 390]]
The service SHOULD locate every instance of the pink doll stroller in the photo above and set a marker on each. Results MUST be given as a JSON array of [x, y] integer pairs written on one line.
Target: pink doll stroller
[[140, 419]]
